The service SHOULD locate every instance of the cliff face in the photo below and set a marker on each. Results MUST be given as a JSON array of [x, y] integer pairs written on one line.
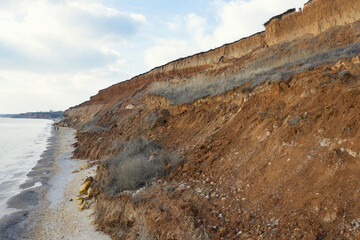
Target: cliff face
[[278, 161], [255, 139], [182, 68], [316, 17]]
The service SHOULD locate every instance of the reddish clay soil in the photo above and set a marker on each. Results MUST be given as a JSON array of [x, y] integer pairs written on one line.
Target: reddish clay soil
[[278, 162]]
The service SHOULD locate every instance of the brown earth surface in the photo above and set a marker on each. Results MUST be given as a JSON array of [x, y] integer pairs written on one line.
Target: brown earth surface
[[280, 162], [269, 159]]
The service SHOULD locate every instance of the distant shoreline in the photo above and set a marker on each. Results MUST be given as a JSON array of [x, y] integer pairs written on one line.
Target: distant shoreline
[[36, 115]]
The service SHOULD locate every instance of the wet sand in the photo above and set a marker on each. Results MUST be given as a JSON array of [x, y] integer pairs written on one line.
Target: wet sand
[[28, 204], [46, 212]]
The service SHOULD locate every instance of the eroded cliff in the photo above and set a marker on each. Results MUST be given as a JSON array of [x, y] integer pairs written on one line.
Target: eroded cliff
[[316, 18], [255, 139]]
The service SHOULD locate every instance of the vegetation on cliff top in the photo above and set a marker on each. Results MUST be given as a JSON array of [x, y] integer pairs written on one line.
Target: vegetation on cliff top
[[273, 68]]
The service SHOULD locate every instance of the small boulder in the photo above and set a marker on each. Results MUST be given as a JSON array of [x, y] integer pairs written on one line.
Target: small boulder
[[83, 206], [86, 185], [90, 192], [79, 202], [129, 107], [330, 217]]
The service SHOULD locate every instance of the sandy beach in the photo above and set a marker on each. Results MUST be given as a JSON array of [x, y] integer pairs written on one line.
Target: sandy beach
[[61, 219], [49, 211]]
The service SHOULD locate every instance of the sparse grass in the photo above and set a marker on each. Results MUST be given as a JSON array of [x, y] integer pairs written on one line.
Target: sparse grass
[[274, 68], [92, 126], [116, 106], [117, 145], [138, 164], [151, 120]]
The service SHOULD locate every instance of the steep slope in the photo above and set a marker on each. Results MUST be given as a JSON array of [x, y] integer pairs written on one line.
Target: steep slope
[[266, 127], [270, 47]]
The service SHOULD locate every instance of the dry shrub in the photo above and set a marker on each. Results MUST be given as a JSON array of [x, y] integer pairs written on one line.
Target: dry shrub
[[92, 126], [137, 165]]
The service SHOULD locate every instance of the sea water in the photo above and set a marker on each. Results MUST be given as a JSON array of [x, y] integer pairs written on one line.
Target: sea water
[[22, 141]]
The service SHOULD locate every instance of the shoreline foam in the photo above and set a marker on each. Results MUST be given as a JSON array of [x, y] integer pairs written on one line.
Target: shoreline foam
[[60, 218], [46, 212], [28, 202], [23, 145]]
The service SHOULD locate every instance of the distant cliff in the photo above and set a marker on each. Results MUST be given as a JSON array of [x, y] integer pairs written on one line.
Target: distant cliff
[[36, 115]]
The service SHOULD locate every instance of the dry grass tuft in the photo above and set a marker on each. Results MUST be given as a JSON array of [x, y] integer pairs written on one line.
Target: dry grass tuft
[[273, 68], [137, 165]]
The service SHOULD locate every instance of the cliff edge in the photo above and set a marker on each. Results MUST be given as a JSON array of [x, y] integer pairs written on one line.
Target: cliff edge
[[315, 18], [256, 139]]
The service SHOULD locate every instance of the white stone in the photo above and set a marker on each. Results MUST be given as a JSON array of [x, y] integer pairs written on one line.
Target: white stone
[[129, 107]]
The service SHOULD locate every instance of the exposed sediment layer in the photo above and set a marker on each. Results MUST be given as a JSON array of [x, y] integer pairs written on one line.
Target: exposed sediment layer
[[272, 155], [278, 161], [316, 17]]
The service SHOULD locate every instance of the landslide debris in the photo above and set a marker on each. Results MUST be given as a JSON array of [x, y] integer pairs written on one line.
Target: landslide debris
[[283, 164], [260, 144]]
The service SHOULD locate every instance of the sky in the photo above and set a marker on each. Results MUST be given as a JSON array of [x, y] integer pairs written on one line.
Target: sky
[[55, 54]]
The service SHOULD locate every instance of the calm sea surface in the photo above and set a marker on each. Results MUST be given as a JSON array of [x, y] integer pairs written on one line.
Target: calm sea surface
[[22, 141]]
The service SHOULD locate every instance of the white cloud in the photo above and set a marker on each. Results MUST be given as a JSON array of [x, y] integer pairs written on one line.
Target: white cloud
[[195, 22], [174, 25], [234, 20], [22, 89], [70, 34], [57, 53]]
